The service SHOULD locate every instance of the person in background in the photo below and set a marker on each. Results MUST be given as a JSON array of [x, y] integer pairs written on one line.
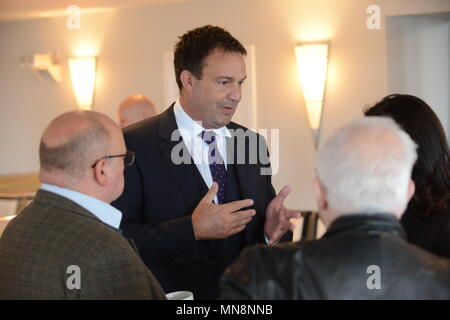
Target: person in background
[[427, 217], [66, 244], [135, 108], [362, 188]]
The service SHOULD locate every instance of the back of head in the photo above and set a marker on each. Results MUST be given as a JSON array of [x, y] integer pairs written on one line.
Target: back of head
[[431, 172], [70, 145], [197, 44], [135, 108], [365, 167]]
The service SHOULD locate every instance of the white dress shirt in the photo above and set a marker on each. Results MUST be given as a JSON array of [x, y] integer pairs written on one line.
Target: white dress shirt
[[102, 210], [190, 131]]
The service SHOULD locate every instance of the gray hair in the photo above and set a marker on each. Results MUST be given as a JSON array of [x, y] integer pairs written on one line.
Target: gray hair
[[77, 154], [366, 166]]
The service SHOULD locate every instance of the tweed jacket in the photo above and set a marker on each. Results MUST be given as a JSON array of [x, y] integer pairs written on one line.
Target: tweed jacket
[[55, 249]]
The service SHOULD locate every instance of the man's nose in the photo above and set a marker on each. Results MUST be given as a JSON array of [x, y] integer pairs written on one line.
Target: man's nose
[[235, 92]]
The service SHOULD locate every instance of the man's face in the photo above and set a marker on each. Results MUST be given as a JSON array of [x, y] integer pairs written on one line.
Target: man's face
[[117, 164], [216, 95]]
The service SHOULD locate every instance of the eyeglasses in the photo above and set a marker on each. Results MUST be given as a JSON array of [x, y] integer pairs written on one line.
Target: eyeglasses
[[128, 158]]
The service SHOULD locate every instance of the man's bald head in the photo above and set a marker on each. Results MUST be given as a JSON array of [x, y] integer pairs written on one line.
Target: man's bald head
[[73, 141], [134, 109]]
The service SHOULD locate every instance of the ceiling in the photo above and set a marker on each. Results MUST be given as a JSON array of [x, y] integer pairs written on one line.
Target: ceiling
[[32, 9]]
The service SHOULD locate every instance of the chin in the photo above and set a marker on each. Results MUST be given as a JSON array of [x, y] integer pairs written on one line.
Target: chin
[[220, 124], [224, 121]]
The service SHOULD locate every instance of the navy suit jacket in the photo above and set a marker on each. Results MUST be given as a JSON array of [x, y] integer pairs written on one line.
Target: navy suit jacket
[[160, 196]]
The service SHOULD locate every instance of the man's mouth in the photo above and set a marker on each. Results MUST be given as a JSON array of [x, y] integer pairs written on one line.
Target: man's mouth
[[227, 109]]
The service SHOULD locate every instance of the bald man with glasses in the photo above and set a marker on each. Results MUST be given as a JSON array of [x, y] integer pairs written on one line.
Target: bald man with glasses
[[66, 244]]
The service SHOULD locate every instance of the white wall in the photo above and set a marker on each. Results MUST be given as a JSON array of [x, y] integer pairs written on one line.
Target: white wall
[[130, 45], [418, 60]]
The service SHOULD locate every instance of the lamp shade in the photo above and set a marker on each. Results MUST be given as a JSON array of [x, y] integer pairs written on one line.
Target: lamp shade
[[82, 73], [312, 64]]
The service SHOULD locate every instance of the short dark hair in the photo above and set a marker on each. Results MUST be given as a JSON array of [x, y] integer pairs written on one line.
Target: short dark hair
[[197, 44], [431, 173], [74, 156]]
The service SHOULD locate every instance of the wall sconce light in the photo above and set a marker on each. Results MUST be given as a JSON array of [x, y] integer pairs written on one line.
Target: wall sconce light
[[82, 72], [43, 64], [312, 65]]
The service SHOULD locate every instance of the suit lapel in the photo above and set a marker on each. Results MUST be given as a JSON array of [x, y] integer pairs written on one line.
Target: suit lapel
[[186, 175], [243, 170], [247, 177]]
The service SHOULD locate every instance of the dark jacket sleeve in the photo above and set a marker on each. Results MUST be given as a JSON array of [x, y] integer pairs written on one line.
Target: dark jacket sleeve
[[168, 241]]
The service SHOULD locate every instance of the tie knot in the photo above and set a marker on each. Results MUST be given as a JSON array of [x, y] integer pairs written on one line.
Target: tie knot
[[208, 136]]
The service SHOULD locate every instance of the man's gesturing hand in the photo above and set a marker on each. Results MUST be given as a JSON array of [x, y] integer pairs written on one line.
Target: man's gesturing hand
[[277, 217], [213, 221]]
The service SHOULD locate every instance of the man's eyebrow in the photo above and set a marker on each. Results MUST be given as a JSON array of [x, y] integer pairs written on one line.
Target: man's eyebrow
[[224, 78], [229, 78]]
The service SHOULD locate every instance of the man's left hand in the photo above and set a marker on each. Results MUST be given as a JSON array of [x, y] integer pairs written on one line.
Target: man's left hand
[[277, 217]]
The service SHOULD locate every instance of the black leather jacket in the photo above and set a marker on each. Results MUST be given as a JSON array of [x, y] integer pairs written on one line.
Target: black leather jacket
[[361, 256]]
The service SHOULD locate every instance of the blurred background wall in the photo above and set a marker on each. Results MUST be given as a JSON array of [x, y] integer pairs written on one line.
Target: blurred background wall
[[130, 39]]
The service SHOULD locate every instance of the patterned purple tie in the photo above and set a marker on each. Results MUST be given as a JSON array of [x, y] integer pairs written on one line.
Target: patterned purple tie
[[216, 164]]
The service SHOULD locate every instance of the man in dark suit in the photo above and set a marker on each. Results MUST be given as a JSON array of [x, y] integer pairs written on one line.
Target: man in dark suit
[[185, 238], [66, 243]]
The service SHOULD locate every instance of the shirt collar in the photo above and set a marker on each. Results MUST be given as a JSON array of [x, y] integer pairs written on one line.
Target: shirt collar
[[102, 210], [191, 127]]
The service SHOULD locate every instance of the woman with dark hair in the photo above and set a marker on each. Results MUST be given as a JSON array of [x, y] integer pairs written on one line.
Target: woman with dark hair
[[427, 218]]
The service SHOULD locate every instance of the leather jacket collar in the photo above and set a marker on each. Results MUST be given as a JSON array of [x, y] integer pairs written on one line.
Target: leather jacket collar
[[366, 223]]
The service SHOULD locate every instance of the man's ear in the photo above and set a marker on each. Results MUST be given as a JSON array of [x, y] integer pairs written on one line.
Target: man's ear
[[319, 191], [411, 189], [187, 78], [100, 172]]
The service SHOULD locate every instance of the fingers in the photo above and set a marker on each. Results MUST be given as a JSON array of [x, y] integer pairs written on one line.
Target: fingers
[[277, 236], [239, 220], [292, 226], [285, 222], [237, 230], [289, 214], [209, 196], [243, 214], [284, 193], [242, 217], [284, 226], [237, 205], [273, 240], [277, 202]]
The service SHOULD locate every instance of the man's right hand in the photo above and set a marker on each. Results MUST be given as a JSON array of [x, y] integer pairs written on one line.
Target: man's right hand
[[213, 221]]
